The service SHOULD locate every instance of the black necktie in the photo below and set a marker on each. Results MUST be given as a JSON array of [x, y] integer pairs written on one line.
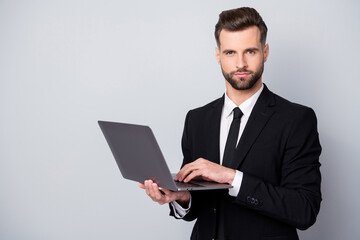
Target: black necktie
[[227, 159], [232, 138]]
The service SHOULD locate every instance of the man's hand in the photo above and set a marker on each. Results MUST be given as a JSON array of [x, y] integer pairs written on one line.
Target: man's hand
[[162, 195], [206, 170]]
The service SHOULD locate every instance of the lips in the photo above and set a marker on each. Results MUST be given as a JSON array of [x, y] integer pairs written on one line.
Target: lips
[[242, 74]]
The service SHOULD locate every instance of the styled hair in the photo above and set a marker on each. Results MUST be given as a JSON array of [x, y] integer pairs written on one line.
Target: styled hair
[[239, 19]]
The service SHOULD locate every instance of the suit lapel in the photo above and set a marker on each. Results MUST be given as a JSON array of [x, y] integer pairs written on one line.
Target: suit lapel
[[212, 124], [260, 115]]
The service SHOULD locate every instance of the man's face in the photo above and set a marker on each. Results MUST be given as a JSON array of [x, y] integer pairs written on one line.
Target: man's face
[[241, 57]]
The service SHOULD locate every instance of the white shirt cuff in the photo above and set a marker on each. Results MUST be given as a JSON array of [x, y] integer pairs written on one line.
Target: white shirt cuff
[[179, 211], [234, 191]]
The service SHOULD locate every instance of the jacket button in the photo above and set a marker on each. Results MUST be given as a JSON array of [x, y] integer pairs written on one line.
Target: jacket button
[[214, 210], [248, 199]]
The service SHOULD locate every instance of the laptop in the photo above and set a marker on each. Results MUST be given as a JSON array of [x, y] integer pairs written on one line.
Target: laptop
[[139, 157]]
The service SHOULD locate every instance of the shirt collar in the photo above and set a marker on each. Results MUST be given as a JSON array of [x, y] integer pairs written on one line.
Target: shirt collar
[[246, 107]]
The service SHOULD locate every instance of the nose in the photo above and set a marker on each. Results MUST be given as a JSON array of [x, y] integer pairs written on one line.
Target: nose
[[241, 62]]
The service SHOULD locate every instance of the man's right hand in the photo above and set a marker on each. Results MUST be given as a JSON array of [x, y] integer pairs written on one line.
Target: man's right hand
[[162, 195]]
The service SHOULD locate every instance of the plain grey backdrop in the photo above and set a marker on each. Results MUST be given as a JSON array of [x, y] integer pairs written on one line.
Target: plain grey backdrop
[[66, 64]]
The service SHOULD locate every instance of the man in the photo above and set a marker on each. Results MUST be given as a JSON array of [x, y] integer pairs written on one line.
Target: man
[[262, 144]]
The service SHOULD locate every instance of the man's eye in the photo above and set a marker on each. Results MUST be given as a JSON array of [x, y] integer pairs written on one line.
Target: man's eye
[[250, 52], [229, 52]]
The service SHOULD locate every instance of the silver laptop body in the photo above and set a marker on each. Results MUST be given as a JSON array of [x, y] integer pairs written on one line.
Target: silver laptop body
[[139, 157]]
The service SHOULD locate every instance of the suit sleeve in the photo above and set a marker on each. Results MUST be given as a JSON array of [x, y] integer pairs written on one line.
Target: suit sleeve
[[187, 152], [296, 199]]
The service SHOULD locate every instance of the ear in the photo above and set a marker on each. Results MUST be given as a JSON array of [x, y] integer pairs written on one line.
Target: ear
[[217, 55], [266, 52]]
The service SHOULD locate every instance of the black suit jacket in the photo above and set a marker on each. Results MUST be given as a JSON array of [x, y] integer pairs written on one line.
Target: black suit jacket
[[279, 155]]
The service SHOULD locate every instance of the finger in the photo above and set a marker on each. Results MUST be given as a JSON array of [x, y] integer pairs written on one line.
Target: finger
[[168, 196], [189, 168], [192, 175], [166, 191], [146, 184], [154, 192], [158, 196], [141, 185], [172, 196], [182, 171], [186, 170], [150, 189]]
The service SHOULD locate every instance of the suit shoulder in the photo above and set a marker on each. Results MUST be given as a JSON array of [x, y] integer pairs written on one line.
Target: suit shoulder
[[287, 105], [293, 110]]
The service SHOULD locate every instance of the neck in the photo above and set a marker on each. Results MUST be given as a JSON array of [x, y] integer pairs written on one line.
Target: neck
[[240, 96]]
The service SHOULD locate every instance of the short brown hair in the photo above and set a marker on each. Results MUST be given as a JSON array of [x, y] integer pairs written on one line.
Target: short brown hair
[[239, 19]]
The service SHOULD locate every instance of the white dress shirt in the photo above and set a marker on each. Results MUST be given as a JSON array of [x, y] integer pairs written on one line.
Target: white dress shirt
[[226, 120]]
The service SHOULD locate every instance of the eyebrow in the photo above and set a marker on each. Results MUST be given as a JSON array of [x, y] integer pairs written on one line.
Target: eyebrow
[[254, 49], [228, 50], [247, 49]]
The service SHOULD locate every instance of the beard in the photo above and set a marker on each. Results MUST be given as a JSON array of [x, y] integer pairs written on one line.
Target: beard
[[243, 83]]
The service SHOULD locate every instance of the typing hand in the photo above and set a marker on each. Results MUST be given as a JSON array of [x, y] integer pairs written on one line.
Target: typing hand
[[207, 170]]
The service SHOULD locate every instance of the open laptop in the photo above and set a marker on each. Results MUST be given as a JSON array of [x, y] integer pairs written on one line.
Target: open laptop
[[139, 157]]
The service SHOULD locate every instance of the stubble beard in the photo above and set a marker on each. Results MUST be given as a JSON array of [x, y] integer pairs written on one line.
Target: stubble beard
[[243, 83]]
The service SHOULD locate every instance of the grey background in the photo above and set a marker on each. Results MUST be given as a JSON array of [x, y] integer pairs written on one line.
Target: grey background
[[66, 64]]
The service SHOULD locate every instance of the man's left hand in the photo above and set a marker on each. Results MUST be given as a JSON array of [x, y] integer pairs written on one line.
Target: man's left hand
[[207, 170]]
